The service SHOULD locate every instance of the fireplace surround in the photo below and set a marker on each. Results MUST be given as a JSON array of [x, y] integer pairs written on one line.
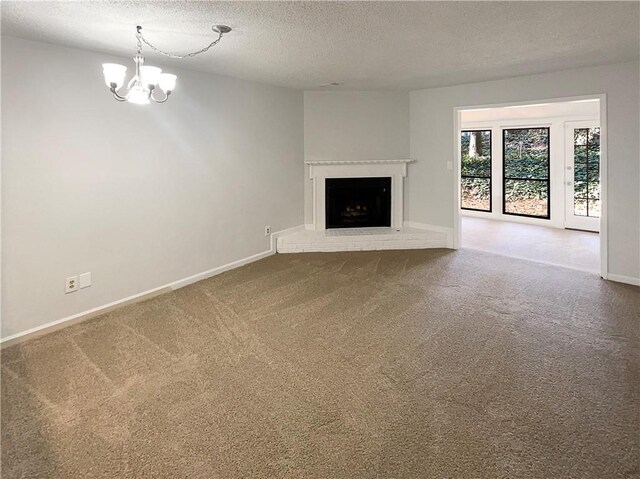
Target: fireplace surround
[[386, 179], [393, 170]]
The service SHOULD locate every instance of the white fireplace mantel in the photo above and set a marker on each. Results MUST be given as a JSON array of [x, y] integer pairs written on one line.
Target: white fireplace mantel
[[396, 169]]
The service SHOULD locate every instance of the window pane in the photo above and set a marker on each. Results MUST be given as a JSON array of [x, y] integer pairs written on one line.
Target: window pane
[[586, 188], [526, 153], [526, 170], [580, 136], [580, 154], [479, 166], [594, 173], [580, 207], [580, 172], [526, 197], [580, 189], [476, 153], [475, 173], [476, 193]]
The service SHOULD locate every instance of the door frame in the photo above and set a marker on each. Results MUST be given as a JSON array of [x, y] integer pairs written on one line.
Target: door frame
[[604, 191]]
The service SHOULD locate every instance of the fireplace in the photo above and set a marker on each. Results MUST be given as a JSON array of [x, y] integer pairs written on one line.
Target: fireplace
[[323, 175], [358, 202]]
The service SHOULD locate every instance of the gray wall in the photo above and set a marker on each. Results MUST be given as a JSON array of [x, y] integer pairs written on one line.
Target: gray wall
[[430, 184], [141, 196], [145, 196], [354, 125]]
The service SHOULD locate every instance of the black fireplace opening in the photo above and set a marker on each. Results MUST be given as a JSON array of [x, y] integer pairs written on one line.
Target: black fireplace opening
[[357, 202]]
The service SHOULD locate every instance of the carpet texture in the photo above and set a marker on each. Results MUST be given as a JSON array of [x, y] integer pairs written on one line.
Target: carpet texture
[[396, 364]]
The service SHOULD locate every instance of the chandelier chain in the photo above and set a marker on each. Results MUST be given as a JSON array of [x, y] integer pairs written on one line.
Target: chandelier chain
[[139, 38], [169, 54]]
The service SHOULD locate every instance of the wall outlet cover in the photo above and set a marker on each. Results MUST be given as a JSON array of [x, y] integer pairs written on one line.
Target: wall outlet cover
[[71, 284]]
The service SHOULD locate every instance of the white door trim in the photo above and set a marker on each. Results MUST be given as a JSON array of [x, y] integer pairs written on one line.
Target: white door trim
[[604, 230]]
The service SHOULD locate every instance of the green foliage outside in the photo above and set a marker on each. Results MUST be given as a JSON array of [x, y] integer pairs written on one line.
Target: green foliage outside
[[476, 191], [587, 163], [526, 154], [526, 157], [526, 168]]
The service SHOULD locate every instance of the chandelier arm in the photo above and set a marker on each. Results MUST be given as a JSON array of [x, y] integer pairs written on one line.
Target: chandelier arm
[[115, 93], [166, 97], [174, 55]]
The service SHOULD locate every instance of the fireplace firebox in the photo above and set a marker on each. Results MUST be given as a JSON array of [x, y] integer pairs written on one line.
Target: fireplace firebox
[[358, 202]]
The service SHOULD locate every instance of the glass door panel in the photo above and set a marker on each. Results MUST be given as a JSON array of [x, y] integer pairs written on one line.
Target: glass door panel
[[582, 179]]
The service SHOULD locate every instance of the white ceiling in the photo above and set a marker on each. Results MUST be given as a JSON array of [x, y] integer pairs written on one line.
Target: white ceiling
[[362, 45]]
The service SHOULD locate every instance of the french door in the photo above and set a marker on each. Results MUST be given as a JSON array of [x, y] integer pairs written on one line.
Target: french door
[[582, 175]]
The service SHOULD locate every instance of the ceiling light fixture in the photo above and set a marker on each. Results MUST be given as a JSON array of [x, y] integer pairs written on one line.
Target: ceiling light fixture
[[141, 87]]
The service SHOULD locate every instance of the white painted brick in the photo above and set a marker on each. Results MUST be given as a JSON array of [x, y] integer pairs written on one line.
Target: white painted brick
[[360, 240]]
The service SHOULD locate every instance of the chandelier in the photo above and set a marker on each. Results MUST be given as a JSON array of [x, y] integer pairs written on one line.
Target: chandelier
[[142, 88]]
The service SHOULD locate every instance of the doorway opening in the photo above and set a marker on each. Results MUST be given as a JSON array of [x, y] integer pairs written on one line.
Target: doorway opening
[[531, 181]]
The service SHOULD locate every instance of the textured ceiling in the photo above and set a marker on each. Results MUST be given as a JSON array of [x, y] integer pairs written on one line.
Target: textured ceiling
[[362, 45]]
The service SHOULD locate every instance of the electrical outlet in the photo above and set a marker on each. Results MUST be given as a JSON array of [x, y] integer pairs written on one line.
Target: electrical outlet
[[71, 284], [84, 280], [267, 230]]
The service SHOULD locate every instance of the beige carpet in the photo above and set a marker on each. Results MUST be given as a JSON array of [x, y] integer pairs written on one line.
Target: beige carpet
[[398, 364]]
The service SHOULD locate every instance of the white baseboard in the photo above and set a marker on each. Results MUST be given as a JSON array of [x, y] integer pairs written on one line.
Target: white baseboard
[[84, 315], [440, 229], [274, 236], [181, 283], [91, 313], [618, 278]]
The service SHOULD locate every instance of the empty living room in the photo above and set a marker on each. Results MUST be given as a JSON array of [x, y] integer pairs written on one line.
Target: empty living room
[[320, 239]]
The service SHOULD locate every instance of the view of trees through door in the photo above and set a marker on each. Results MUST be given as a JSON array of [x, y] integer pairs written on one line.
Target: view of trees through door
[[587, 172], [582, 181]]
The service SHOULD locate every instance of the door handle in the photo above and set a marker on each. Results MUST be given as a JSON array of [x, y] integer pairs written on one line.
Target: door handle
[[569, 183]]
